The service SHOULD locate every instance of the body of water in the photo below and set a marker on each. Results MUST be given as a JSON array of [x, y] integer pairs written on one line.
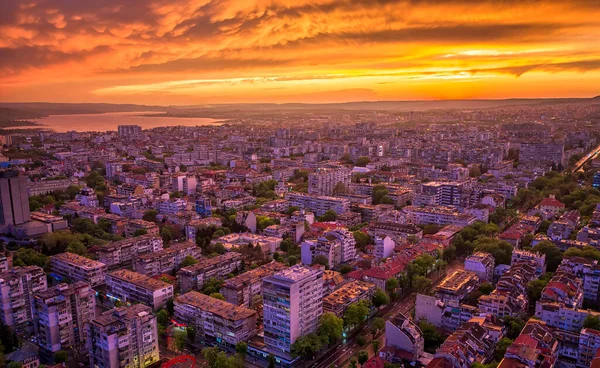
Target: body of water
[[111, 120]]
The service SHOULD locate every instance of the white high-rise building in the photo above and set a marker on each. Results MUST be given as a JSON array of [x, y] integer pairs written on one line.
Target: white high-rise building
[[123, 337], [292, 306], [60, 315], [324, 181], [17, 287]]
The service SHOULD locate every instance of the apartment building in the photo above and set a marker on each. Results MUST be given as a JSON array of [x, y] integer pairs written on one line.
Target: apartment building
[[194, 276], [519, 255], [292, 306], [384, 247], [127, 131], [399, 233], [442, 193], [5, 263], [123, 337], [246, 288], [438, 215], [339, 246], [318, 204], [324, 180], [469, 344], [165, 260], [129, 286], [215, 320], [403, 340], [354, 291], [268, 244], [78, 268], [482, 264], [536, 346], [541, 154], [17, 287], [454, 288], [44, 187], [122, 253], [589, 343], [60, 316], [510, 296]]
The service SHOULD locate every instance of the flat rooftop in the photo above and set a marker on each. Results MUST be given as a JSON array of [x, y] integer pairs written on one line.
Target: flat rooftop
[[78, 260], [138, 279], [215, 306]]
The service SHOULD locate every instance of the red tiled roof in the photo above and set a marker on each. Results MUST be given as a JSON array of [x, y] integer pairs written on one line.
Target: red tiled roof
[[551, 202]]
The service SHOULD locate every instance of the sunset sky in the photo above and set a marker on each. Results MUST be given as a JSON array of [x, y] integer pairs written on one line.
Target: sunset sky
[[222, 51]]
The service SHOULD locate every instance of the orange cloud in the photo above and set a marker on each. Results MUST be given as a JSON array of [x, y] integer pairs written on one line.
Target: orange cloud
[[192, 51]]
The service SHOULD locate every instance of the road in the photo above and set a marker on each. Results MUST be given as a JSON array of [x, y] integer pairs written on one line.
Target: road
[[343, 352], [590, 156]]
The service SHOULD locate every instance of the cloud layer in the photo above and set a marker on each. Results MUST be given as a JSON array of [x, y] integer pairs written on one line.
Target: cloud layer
[[196, 51]]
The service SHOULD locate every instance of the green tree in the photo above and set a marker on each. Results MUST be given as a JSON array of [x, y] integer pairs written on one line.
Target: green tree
[[179, 340], [15, 365], [535, 287], [500, 250], [356, 313], [553, 254], [162, 317], [501, 347], [330, 328], [212, 285], [377, 325], [241, 348], [329, 215], [391, 285], [362, 239], [217, 296], [307, 345], [345, 268], [362, 356], [339, 188], [430, 229], [486, 288], [353, 363], [433, 338], [421, 283], [271, 360], [150, 215], [191, 333], [188, 261], [362, 161], [380, 298], [78, 248], [375, 344], [514, 326], [139, 232], [61, 356], [321, 260], [592, 322], [168, 233]]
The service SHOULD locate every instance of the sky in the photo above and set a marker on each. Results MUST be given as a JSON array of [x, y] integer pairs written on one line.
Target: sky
[[180, 52]]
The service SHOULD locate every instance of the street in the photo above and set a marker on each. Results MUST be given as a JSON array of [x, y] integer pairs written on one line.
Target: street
[[343, 352]]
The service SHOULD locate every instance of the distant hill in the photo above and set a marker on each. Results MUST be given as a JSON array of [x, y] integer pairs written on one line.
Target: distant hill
[[31, 110]]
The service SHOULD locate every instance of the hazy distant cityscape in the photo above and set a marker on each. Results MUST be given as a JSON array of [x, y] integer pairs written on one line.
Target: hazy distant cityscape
[[299, 184], [301, 236]]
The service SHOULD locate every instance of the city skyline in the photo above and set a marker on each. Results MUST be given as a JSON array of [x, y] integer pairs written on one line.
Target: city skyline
[[195, 52]]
